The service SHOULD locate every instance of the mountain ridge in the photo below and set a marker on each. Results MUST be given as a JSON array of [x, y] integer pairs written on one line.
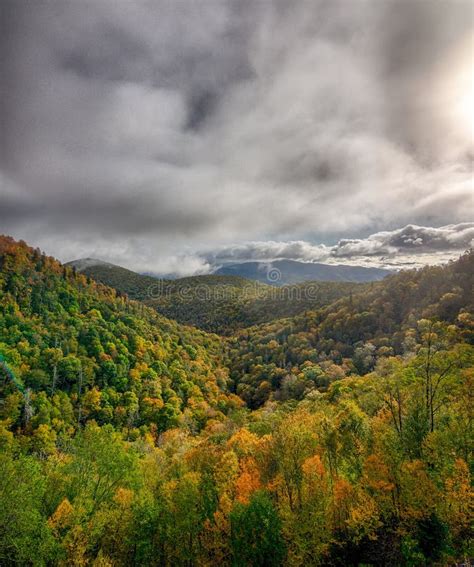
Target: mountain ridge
[[83, 263], [284, 272], [276, 272], [220, 303]]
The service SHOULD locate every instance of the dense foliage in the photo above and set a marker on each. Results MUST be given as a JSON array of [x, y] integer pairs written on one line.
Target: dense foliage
[[287, 358], [85, 353], [221, 304], [121, 445]]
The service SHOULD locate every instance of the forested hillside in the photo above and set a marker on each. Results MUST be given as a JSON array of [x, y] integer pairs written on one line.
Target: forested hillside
[[135, 286], [218, 303], [223, 305], [83, 352], [289, 357], [350, 441]]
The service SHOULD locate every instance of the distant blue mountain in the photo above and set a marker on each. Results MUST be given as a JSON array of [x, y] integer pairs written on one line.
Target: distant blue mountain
[[283, 272]]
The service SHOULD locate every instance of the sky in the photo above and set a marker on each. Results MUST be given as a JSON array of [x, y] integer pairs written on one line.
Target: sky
[[172, 136]]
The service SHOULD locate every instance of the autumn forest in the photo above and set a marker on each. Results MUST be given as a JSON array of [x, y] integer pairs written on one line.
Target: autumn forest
[[338, 435]]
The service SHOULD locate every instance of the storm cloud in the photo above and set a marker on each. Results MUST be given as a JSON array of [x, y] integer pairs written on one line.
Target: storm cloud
[[145, 132]]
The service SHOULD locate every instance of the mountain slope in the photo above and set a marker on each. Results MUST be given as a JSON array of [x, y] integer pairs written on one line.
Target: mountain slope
[[83, 353], [220, 303], [289, 357], [283, 272], [136, 286]]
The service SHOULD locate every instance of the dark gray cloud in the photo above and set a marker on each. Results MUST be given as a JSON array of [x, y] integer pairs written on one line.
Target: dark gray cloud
[[152, 129]]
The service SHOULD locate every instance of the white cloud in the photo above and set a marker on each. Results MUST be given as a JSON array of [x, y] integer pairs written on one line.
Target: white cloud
[[408, 246]]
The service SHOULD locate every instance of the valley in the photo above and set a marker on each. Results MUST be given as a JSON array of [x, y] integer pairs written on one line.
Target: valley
[[219, 421], [219, 304]]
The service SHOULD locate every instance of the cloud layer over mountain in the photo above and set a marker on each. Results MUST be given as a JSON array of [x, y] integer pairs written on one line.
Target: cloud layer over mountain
[[405, 247], [144, 132]]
